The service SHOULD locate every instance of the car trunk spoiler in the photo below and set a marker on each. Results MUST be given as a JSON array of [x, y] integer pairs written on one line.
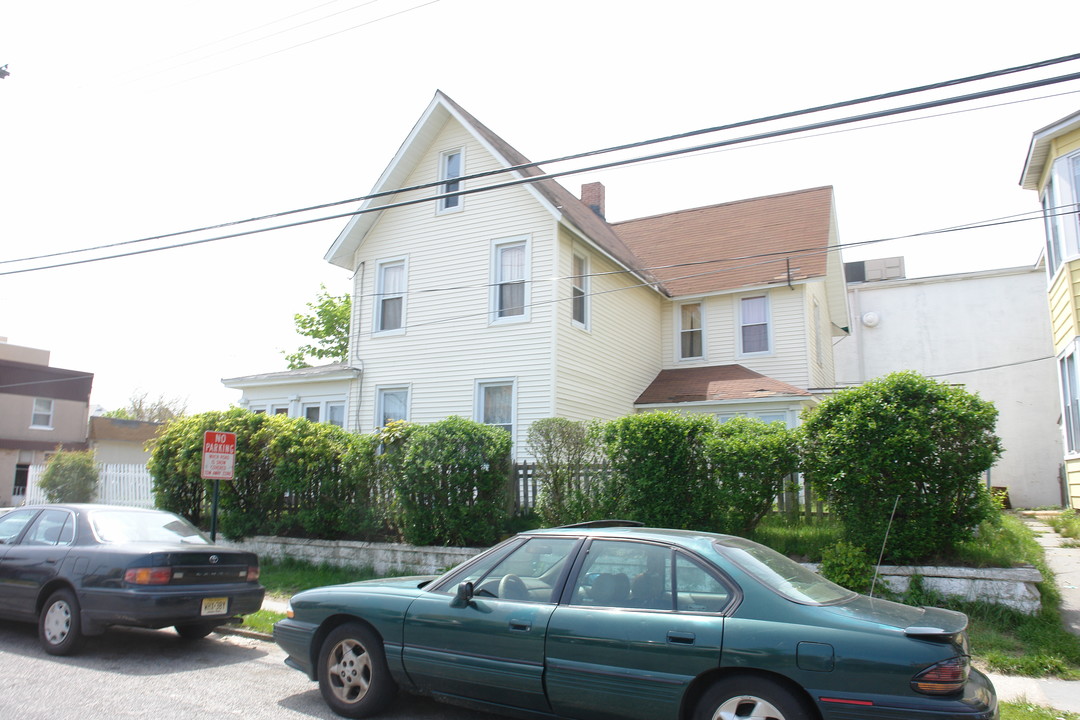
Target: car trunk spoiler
[[938, 624]]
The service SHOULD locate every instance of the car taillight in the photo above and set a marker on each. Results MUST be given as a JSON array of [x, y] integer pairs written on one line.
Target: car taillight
[[252, 573], [944, 678], [148, 575]]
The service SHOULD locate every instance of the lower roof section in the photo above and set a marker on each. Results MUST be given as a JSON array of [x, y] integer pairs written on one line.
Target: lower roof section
[[716, 383]]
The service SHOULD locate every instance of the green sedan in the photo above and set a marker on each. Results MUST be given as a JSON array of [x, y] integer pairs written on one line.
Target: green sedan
[[630, 622]]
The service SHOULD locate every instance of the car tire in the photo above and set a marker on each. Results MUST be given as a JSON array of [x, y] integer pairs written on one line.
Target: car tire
[[59, 624], [354, 678], [753, 698], [194, 631]]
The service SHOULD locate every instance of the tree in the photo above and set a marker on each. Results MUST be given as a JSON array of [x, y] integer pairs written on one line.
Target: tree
[[140, 408], [70, 476], [908, 442], [328, 328], [565, 451]]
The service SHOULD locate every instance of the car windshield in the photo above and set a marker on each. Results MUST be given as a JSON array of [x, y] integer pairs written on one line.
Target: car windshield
[[782, 574], [125, 526]]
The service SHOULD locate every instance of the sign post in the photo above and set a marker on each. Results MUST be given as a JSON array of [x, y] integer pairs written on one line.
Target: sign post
[[218, 460]]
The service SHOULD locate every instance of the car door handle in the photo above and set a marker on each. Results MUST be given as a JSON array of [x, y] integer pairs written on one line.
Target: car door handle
[[680, 638], [520, 626]]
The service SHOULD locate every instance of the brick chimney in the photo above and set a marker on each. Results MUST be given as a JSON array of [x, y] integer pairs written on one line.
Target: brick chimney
[[592, 194]]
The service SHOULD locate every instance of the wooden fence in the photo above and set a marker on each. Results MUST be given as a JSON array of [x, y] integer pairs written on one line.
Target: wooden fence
[[133, 485]]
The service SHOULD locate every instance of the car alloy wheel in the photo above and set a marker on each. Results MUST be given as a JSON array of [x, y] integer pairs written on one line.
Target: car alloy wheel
[[751, 698], [354, 678]]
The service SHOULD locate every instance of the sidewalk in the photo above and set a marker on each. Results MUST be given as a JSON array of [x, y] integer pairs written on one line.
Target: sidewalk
[[1065, 564]]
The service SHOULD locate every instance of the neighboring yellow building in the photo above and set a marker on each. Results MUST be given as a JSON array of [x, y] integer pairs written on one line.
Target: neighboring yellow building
[[1053, 170]]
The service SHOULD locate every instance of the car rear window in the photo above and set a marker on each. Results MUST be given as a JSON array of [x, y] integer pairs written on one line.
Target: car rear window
[[782, 574], [119, 526]]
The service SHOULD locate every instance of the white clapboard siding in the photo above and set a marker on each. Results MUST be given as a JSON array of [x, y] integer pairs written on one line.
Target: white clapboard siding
[[130, 485]]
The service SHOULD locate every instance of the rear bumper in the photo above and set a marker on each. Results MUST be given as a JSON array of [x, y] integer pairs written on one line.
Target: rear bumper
[[158, 607], [978, 702]]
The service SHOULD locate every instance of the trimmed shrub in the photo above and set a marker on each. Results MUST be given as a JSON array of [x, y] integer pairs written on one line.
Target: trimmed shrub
[[566, 454], [908, 441], [71, 476], [848, 565], [749, 461], [453, 482], [292, 476], [659, 474]]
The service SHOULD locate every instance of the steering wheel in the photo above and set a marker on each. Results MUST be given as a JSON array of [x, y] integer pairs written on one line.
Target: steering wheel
[[512, 587]]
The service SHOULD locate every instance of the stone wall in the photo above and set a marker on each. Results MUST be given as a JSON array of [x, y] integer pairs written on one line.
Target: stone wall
[[385, 558], [1014, 587]]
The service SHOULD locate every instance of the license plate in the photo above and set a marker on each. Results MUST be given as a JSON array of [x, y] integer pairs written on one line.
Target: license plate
[[215, 606]]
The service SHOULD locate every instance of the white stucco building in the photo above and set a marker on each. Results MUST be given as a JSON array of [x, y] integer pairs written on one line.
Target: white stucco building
[[988, 331]]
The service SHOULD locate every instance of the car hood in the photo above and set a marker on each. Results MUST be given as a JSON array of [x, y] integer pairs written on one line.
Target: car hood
[[915, 621]]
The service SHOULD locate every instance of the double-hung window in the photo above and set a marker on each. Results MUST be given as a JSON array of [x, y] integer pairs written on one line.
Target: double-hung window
[[691, 334], [754, 325], [509, 289], [450, 169], [579, 290], [393, 404], [495, 403], [1060, 204], [390, 296], [1070, 397], [42, 416]]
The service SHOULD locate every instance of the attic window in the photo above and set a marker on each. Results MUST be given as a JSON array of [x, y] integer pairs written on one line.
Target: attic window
[[450, 164]]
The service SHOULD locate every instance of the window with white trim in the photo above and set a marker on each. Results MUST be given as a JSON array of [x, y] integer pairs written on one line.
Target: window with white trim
[[313, 411], [579, 290], [335, 414], [1060, 204], [691, 333], [495, 403], [1070, 400], [510, 267], [754, 325], [42, 416], [450, 168], [390, 296], [392, 404]]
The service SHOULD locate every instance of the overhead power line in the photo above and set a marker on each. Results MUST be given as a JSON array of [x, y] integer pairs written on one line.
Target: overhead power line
[[545, 176], [564, 158]]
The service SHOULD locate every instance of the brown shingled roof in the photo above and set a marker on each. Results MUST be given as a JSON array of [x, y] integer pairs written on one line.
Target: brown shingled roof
[[782, 224], [715, 382]]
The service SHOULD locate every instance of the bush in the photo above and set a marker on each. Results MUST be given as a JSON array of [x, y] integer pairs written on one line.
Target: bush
[[848, 565], [750, 461], [905, 440], [566, 455], [70, 477], [292, 477], [659, 474], [452, 485]]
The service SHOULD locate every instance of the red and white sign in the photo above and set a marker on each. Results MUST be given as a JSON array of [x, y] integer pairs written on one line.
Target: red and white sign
[[218, 455]]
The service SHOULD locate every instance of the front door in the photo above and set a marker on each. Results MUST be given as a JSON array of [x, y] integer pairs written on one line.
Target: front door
[[492, 647]]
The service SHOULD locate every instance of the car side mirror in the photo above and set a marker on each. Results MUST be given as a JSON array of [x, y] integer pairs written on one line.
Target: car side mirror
[[464, 595]]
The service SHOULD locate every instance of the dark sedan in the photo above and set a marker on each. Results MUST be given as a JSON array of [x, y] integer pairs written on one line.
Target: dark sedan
[[623, 623], [77, 569]]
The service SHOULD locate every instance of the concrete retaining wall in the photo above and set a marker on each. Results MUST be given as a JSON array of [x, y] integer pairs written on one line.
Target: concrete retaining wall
[[1014, 587]]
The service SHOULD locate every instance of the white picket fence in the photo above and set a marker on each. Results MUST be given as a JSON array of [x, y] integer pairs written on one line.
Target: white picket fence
[[117, 485]]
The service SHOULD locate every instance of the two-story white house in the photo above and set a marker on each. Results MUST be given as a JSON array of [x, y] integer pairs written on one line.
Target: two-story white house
[[506, 299]]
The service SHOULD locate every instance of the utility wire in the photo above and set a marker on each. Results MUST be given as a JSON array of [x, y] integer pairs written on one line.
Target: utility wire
[[592, 153]]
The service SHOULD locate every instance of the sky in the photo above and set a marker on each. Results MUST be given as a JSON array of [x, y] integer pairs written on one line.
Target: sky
[[123, 120]]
